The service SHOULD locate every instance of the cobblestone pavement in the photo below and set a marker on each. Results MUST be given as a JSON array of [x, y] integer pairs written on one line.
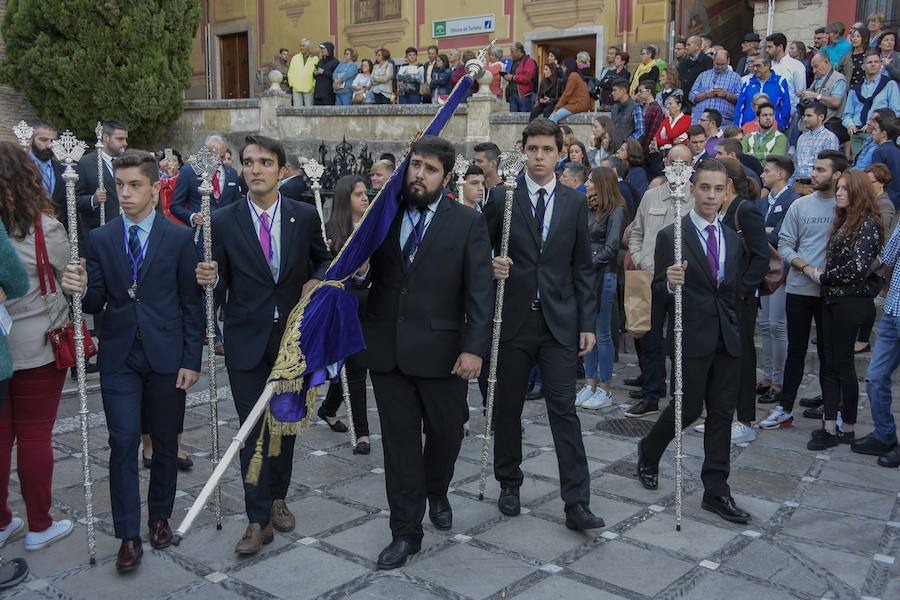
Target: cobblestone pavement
[[824, 525]]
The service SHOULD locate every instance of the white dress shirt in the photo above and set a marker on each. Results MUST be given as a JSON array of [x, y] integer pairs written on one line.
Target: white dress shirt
[[274, 213], [549, 201]]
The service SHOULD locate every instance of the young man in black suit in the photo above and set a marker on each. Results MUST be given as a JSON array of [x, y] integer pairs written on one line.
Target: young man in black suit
[[548, 319], [142, 270], [427, 329], [711, 277], [267, 251]]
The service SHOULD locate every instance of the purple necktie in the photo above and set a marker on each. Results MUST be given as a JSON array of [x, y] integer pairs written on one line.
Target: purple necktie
[[265, 236], [712, 253]]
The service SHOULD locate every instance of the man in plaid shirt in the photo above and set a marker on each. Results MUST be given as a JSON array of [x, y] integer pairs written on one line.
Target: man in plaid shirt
[[815, 139], [653, 114], [718, 88], [885, 357]]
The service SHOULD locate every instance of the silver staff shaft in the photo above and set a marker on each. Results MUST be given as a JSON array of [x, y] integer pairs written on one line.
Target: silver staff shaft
[[100, 185], [70, 177], [205, 190], [213, 482], [495, 336]]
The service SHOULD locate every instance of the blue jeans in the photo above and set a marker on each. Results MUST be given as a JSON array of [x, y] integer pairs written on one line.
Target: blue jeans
[[343, 99], [598, 363], [560, 114], [521, 104], [411, 99], [885, 359]]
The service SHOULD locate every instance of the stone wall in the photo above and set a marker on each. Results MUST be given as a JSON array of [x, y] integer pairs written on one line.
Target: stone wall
[[13, 105], [385, 128], [796, 19]]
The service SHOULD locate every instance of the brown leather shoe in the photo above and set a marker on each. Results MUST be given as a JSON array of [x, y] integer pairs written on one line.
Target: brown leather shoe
[[129, 557], [255, 537], [282, 518], [160, 534]]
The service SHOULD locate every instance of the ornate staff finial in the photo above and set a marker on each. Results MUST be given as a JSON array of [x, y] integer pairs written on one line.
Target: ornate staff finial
[[98, 132], [679, 174], [204, 163], [68, 149], [475, 66], [511, 164], [460, 168], [23, 132], [314, 170]]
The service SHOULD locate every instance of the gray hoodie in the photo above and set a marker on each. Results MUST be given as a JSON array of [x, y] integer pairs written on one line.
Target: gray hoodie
[[804, 234]]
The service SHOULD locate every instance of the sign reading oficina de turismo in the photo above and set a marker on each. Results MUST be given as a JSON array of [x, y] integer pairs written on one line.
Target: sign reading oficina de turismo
[[462, 26]]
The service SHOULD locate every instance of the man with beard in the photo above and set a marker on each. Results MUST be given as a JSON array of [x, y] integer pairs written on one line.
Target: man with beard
[[427, 329], [50, 169], [549, 315], [268, 251]]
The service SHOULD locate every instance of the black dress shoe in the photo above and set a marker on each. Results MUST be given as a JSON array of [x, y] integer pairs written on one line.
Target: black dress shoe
[[147, 460], [634, 381], [440, 513], [822, 440], [770, 397], [129, 556], [580, 518], [636, 394], [338, 426], [362, 448], [536, 393], [642, 408], [812, 402], [396, 553], [184, 463], [725, 507], [890, 459], [648, 476], [871, 445], [509, 503], [762, 389], [817, 413]]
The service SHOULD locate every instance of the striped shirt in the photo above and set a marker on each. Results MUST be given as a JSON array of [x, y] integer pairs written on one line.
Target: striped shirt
[[889, 258], [808, 147], [708, 81]]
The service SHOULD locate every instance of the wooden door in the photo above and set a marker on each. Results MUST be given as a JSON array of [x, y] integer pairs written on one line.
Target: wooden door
[[235, 65]]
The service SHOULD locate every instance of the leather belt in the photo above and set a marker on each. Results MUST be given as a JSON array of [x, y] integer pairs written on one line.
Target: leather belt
[[535, 305]]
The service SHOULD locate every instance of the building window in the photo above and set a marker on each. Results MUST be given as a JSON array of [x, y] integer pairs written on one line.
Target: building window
[[369, 11]]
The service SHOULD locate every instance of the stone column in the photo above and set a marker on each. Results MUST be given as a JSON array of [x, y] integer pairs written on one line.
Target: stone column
[[478, 124], [269, 102]]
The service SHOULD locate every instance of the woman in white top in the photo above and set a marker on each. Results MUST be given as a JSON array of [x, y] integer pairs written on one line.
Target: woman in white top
[[383, 77], [362, 83]]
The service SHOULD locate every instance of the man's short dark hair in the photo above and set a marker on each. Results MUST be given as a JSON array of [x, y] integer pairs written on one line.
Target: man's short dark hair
[[647, 84], [433, 47], [709, 165], [732, 146], [519, 46], [817, 106], [144, 161], [543, 126], [819, 30], [41, 124], [838, 159], [714, 116], [280, 50], [871, 52], [577, 170], [622, 84], [682, 41], [617, 164], [779, 39], [474, 170], [411, 49], [731, 131], [268, 144], [763, 105], [432, 145], [836, 27], [110, 127], [888, 124], [782, 162], [696, 130], [490, 149]]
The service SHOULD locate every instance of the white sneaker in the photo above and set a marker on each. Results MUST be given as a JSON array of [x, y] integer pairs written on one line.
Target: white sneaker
[[777, 418], [15, 529], [600, 399], [701, 428], [741, 434], [54, 533], [583, 395]]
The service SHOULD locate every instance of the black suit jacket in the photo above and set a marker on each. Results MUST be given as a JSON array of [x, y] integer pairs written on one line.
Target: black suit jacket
[[85, 187], [58, 197], [186, 196], [688, 71], [755, 257], [294, 189], [167, 309], [776, 215], [252, 293], [420, 320], [708, 310], [563, 270]]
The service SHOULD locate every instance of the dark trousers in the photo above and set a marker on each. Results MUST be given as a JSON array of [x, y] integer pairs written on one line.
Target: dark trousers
[[865, 330], [801, 312], [275, 476], [536, 344], [653, 357], [124, 392], [709, 380], [405, 404], [746, 400], [356, 381], [840, 323]]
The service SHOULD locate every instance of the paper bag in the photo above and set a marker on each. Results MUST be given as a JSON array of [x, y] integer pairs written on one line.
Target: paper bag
[[637, 302]]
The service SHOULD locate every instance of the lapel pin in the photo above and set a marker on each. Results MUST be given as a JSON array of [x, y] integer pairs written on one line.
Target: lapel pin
[[292, 219]]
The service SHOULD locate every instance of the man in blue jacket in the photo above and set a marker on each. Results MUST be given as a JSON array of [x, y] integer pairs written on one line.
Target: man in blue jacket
[[770, 83], [142, 269]]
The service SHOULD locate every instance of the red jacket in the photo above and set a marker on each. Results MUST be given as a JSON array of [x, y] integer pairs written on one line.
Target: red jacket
[[525, 75]]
